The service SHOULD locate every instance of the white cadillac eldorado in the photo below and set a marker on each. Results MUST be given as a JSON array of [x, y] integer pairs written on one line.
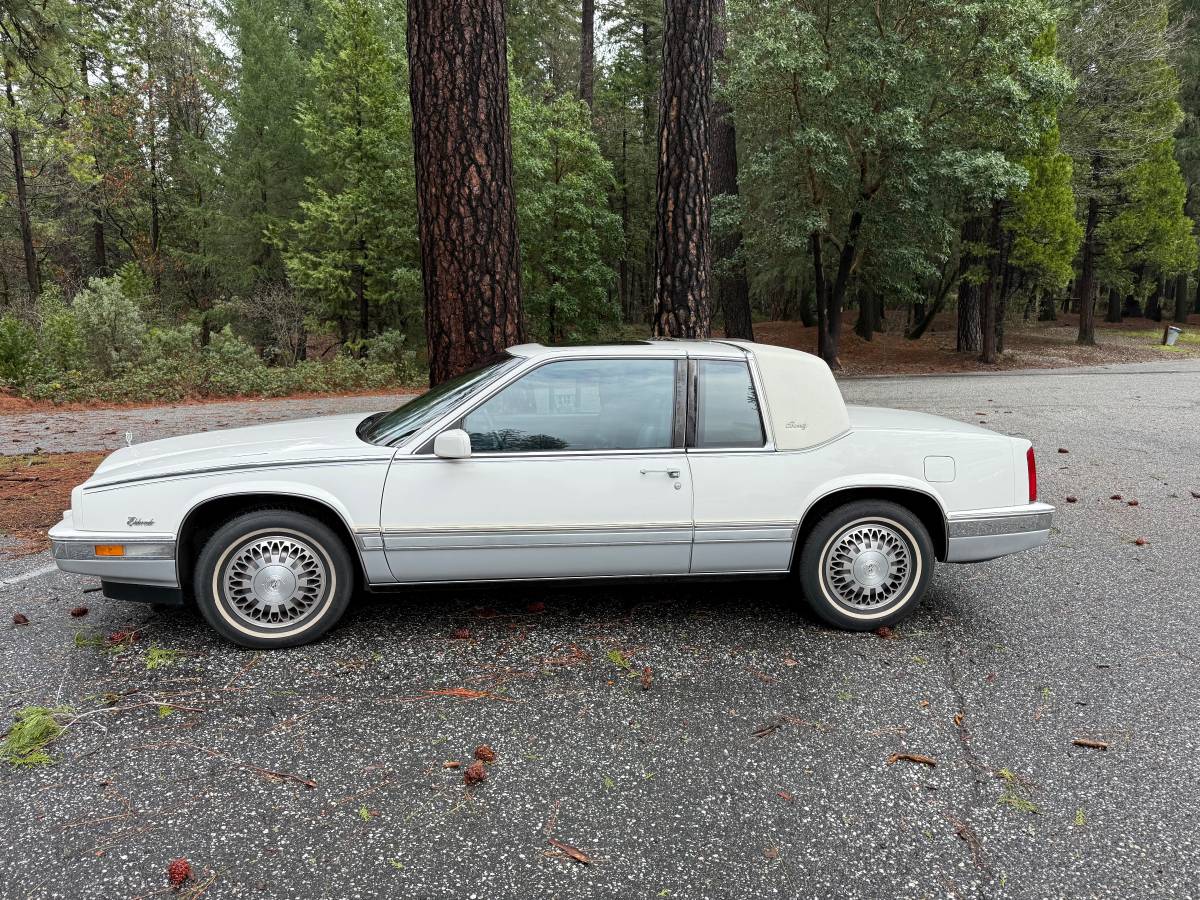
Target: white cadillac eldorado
[[652, 459]]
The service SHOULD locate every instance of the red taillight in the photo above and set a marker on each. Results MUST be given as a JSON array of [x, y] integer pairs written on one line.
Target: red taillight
[[1032, 463]]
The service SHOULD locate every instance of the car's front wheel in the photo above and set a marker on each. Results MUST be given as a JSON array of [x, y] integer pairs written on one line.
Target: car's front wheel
[[866, 564], [273, 578]]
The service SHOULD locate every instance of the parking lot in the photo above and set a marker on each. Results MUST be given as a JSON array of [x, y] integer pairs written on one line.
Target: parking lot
[[667, 740]]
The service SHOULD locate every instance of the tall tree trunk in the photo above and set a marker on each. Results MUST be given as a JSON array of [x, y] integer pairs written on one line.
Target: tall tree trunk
[[1154, 304], [816, 249], [623, 286], [1115, 302], [968, 288], [806, 308], [683, 256], [1087, 277], [733, 290], [587, 54], [988, 298], [867, 315], [836, 291], [32, 276], [1181, 298], [99, 250], [466, 209], [1196, 306]]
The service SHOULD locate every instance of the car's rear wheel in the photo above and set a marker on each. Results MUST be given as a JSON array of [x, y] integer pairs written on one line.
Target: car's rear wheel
[[273, 578], [866, 564]]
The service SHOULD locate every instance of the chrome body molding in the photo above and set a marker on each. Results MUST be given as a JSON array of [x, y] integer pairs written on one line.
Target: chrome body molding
[[149, 559], [988, 534]]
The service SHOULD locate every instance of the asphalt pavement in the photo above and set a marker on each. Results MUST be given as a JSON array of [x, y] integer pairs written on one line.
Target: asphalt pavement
[[755, 764]]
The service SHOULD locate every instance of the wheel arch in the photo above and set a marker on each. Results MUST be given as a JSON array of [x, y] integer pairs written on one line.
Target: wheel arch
[[208, 514], [924, 505]]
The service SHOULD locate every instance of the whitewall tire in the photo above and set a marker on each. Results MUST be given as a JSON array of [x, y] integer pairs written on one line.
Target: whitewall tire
[[866, 564], [273, 578]]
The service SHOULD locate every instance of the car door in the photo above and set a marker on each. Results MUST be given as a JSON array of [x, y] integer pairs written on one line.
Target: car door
[[743, 522], [577, 469]]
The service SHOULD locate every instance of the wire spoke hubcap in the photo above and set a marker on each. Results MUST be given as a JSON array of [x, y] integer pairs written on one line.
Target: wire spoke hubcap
[[868, 566], [274, 580]]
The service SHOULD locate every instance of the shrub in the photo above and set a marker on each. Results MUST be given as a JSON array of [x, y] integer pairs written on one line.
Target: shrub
[[391, 348], [17, 350], [111, 323], [61, 346]]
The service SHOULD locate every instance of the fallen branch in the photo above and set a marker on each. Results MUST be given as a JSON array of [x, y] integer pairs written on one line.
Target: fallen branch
[[1090, 743], [574, 853], [912, 757]]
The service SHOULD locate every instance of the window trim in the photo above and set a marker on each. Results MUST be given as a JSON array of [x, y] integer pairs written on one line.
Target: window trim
[[424, 445], [764, 420]]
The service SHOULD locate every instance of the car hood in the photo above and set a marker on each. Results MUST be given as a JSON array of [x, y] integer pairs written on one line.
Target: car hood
[[873, 418], [301, 440]]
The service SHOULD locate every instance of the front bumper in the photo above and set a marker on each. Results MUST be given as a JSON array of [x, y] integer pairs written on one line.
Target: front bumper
[[986, 534], [148, 559]]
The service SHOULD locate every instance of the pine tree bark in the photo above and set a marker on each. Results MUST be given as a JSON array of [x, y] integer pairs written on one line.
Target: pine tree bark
[[1114, 306], [683, 253], [1087, 278], [587, 54], [968, 288], [733, 289], [466, 209], [988, 296], [99, 249], [1181, 298], [32, 275]]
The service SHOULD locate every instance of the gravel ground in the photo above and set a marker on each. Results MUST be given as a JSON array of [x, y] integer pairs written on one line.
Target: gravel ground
[[755, 765]]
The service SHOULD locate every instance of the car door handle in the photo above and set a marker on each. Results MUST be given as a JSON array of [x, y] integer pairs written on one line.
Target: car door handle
[[670, 473]]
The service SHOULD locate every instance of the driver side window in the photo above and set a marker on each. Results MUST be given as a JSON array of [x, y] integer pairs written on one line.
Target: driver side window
[[579, 405]]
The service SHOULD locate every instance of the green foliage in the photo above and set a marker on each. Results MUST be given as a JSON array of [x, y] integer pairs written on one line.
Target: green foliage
[[17, 350], [34, 728], [1150, 229], [1046, 234], [357, 234], [60, 340], [567, 230], [111, 323], [160, 658]]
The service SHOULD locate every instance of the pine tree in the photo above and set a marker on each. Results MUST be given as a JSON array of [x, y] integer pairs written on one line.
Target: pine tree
[[354, 250], [567, 231]]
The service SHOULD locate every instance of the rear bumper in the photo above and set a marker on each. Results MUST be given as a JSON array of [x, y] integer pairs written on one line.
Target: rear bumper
[[986, 534], [149, 558]]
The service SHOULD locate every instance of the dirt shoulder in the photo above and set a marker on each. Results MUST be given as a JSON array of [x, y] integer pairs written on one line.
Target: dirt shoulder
[[34, 490], [1046, 345]]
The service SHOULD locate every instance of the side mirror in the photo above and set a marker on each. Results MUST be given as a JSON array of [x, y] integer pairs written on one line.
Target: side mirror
[[452, 444]]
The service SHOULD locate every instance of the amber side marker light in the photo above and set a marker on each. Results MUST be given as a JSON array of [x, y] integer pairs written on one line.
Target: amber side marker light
[[110, 549]]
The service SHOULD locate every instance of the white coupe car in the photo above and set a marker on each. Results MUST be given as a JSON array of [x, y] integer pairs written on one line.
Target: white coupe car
[[652, 459]]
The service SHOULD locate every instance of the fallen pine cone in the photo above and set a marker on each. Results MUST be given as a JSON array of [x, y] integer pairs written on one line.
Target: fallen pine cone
[[1063, 450], [911, 757], [647, 678], [1134, 503], [1116, 497], [883, 631], [1140, 542], [475, 773], [79, 612], [20, 619], [461, 634], [1072, 499], [484, 753], [178, 872]]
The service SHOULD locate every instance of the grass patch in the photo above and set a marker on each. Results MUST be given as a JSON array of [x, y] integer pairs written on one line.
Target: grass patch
[[34, 729]]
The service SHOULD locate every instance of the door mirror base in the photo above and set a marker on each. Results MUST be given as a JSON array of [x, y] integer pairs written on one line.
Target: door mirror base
[[452, 444]]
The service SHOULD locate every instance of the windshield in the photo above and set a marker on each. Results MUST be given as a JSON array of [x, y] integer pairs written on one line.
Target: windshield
[[402, 423]]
